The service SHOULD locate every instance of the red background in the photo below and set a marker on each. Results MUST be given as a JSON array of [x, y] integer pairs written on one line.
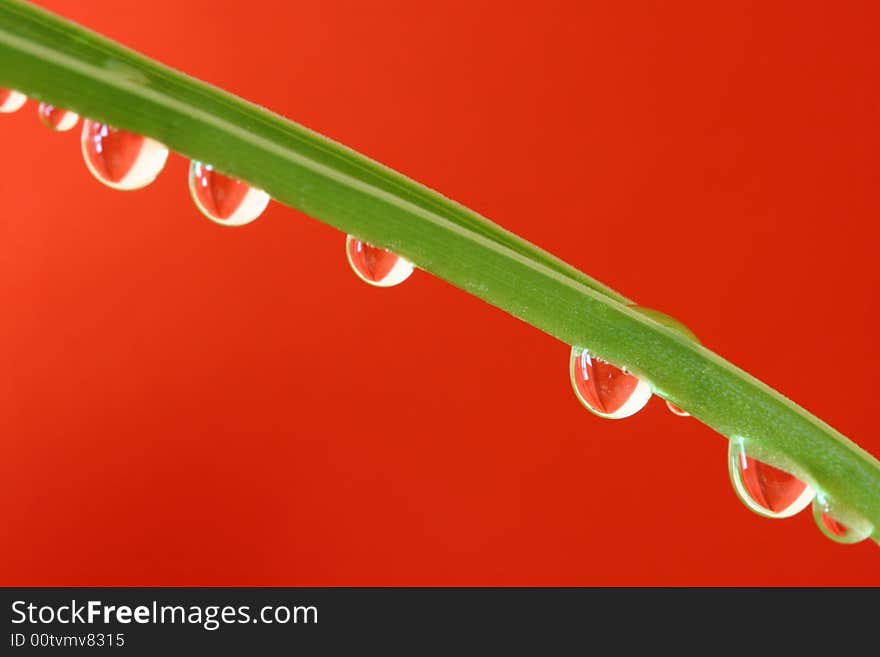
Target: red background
[[183, 403]]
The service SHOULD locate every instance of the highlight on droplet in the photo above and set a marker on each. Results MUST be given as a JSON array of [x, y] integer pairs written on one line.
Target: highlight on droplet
[[57, 118], [11, 100], [224, 200], [766, 490], [121, 159], [375, 265], [606, 390], [847, 528]]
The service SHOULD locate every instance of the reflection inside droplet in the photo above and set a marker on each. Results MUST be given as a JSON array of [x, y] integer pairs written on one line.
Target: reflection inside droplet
[[375, 265], [11, 100], [222, 199], [57, 118], [606, 390], [121, 159], [768, 491], [852, 529]]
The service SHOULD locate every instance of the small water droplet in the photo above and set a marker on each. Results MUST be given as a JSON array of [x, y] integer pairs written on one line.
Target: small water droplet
[[671, 322], [222, 199], [11, 100], [606, 390], [675, 409], [376, 266], [126, 72], [57, 118], [121, 159], [851, 530], [768, 491]]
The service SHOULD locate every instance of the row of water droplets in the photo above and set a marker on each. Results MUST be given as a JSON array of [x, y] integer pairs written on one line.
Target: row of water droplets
[[126, 161], [614, 393]]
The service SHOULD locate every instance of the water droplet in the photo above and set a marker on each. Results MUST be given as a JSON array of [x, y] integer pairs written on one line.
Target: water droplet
[[675, 409], [57, 118], [666, 320], [376, 266], [11, 100], [604, 389], [671, 322], [852, 529], [121, 159], [222, 199], [768, 491]]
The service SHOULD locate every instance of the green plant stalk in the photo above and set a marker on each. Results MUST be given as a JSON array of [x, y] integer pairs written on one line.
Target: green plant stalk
[[56, 61]]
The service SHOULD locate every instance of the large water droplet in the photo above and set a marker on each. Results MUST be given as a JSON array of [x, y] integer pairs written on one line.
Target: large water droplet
[[11, 100], [222, 199], [376, 266], [851, 530], [604, 389], [57, 118], [768, 491], [121, 159]]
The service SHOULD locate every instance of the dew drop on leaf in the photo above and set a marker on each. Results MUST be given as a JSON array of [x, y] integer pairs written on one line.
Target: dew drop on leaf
[[604, 389], [768, 491], [57, 118], [121, 159], [11, 100], [222, 199], [376, 266], [675, 409], [852, 530]]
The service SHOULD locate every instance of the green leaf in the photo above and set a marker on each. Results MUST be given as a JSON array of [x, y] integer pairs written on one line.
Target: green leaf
[[56, 61]]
